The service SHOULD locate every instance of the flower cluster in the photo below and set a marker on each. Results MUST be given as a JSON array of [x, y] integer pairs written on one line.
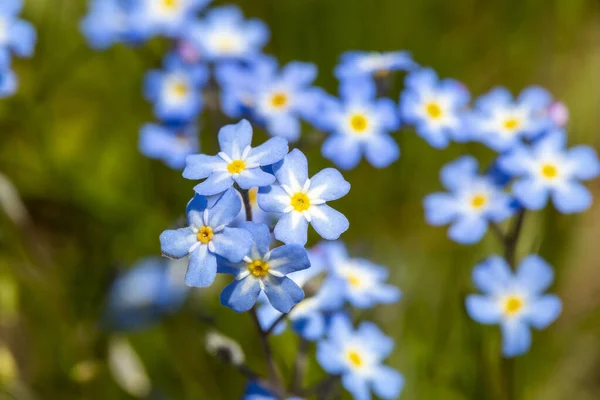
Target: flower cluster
[[17, 37]]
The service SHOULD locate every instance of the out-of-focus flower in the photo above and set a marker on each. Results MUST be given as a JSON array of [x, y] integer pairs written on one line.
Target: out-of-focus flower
[[371, 63], [435, 107], [514, 301], [301, 200], [276, 99], [265, 271], [223, 34], [357, 355], [208, 236], [127, 368], [175, 91], [559, 113], [500, 122], [254, 391], [8, 366], [237, 162], [167, 17], [171, 144], [16, 36], [548, 169], [473, 202], [359, 124], [8, 82], [226, 349]]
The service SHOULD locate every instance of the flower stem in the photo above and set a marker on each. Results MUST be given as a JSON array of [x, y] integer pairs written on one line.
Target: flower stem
[[274, 380], [247, 204], [300, 365]]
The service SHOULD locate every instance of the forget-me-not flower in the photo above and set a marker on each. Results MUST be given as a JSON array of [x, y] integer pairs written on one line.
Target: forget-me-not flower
[[472, 203], [170, 144], [547, 169], [16, 36], [264, 270], [301, 200], [357, 355], [372, 64], [176, 90], [207, 237], [500, 122], [359, 124], [167, 17], [237, 162], [435, 107], [515, 301], [224, 34]]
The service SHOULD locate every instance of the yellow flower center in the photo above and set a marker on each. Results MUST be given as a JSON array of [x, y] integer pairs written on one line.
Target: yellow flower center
[[205, 234], [170, 3], [225, 44], [258, 268], [513, 305], [180, 89], [300, 202], [549, 171], [236, 167], [478, 201], [512, 124], [434, 110], [355, 358], [279, 100], [359, 123], [353, 280]]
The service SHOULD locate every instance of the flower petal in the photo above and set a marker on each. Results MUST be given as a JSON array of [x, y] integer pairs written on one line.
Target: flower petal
[[270, 152], [232, 243], [241, 295], [261, 238], [292, 228], [440, 208], [583, 161], [292, 171], [372, 337], [216, 183], [534, 274], [530, 193], [357, 385], [202, 268], [492, 276], [254, 177], [387, 382], [225, 209], [343, 150], [283, 293], [571, 198], [328, 184], [200, 166], [543, 311], [468, 229], [459, 172], [273, 199], [328, 223], [516, 338], [288, 258], [233, 139], [177, 243], [381, 150], [483, 309], [329, 357]]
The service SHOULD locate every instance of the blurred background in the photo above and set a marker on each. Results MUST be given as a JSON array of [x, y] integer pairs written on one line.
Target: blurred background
[[91, 206]]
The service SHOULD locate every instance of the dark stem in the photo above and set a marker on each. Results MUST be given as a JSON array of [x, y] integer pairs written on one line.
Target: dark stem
[[247, 204], [323, 389], [510, 246], [300, 365], [274, 381]]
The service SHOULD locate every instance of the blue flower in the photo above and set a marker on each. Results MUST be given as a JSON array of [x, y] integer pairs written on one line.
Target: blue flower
[[301, 200], [435, 107], [473, 202], [141, 295], [370, 63], [169, 144], [224, 34], [547, 169], [254, 391], [264, 270], [175, 91], [514, 301], [207, 237], [8, 82], [500, 122], [16, 36], [167, 17], [236, 163], [357, 356], [276, 99], [363, 281], [359, 124]]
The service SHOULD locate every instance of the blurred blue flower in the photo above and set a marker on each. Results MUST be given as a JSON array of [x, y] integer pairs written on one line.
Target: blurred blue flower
[[515, 301], [171, 144], [435, 107], [359, 124], [167, 17], [363, 281], [473, 202], [16, 36], [254, 391], [224, 34], [357, 355], [207, 237], [301, 200], [276, 99], [547, 169], [175, 91], [141, 295], [500, 122], [265, 271], [237, 162], [8, 82], [370, 63]]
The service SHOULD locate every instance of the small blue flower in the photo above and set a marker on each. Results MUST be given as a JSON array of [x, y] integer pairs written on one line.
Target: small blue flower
[[357, 355], [363, 281], [547, 169], [500, 122], [169, 144], [8, 82], [435, 107], [16, 36], [175, 92], [207, 237], [473, 202], [236, 163], [276, 99], [254, 391], [167, 17], [224, 34], [514, 301], [359, 124], [264, 270], [141, 295], [301, 200], [379, 64]]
